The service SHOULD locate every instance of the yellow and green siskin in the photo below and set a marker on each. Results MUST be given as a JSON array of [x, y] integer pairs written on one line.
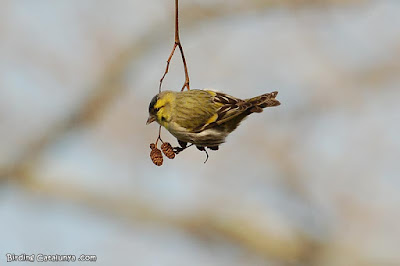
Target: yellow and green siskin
[[204, 117]]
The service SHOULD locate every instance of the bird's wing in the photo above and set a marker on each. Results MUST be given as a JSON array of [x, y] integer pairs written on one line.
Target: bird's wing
[[230, 107]]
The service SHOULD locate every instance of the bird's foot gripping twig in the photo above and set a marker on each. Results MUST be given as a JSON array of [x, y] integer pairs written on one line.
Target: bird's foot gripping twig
[[183, 146]]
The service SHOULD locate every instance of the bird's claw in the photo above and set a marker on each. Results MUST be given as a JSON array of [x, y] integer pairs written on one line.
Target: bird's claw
[[177, 150]]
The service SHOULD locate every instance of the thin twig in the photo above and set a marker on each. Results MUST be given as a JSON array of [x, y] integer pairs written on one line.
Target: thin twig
[[177, 43], [186, 84], [166, 69], [159, 136]]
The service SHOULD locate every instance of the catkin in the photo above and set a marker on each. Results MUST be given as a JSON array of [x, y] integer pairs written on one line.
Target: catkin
[[156, 155], [168, 150]]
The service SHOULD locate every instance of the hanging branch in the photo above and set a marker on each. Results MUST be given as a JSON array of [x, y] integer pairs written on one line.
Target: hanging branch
[[177, 44], [155, 154]]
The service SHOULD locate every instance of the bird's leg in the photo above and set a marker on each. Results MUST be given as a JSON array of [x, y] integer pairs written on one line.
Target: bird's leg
[[183, 146], [207, 155], [201, 148], [182, 143]]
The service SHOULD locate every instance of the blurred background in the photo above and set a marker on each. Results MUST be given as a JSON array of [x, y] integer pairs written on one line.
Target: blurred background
[[314, 181]]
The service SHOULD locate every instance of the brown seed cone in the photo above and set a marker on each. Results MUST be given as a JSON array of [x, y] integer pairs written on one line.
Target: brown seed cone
[[168, 150], [156, 155]]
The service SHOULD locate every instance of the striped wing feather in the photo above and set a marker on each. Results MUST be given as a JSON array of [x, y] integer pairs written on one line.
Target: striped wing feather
[[233, 107]]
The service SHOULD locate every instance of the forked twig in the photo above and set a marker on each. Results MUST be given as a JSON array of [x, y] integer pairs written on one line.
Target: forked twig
[[159, 135], [177, 43]]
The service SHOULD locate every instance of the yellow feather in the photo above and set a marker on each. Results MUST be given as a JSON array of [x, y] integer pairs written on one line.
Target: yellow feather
[[164, 104], [167, 98], [212, 119], [211, 92]]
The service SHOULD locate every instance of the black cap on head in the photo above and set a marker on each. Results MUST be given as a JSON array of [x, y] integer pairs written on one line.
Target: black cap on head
[[152, 103]]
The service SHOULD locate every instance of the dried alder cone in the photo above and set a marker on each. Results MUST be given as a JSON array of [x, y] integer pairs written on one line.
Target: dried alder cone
[[168, 150], [156, 155]]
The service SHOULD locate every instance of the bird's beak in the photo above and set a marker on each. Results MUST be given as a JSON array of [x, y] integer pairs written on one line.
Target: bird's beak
[[150, 120]]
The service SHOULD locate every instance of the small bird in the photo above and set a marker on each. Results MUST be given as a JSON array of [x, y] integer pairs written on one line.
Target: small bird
[[204, 117]]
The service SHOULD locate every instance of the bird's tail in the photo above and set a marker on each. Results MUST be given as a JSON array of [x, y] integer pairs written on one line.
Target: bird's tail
[[262, 101]]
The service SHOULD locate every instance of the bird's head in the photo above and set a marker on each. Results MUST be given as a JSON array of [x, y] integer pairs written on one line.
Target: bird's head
[[160, 108]]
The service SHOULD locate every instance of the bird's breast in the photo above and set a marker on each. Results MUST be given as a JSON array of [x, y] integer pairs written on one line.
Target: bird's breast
[[208, 137]]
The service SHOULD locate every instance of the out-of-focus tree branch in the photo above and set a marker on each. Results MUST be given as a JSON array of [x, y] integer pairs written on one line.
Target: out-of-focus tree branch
[[248, 229], [240, 228], [110, 86]]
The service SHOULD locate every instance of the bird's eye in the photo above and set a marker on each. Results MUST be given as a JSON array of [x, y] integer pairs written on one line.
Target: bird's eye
[[154, 110], [163, 118]]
